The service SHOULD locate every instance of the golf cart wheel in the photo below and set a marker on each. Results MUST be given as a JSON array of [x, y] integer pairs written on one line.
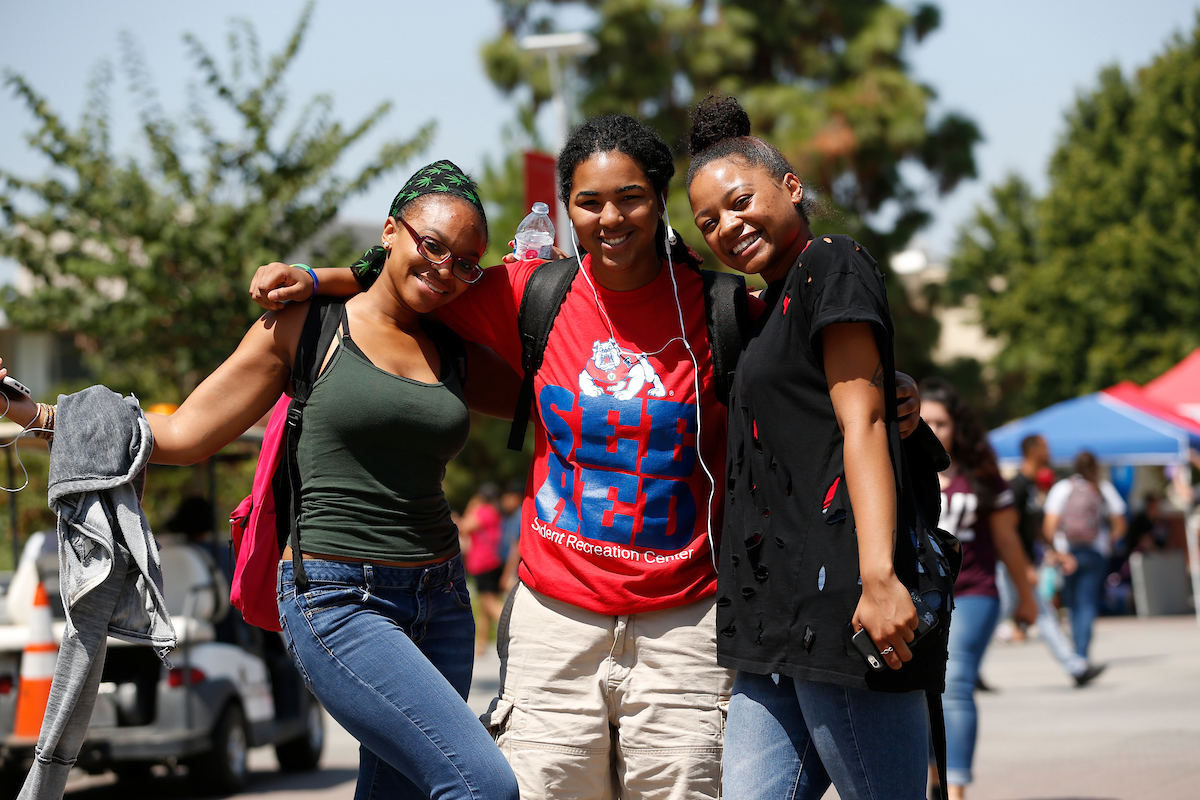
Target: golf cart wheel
[[304, 752], [224, 769], [133, 771], [11, 779]]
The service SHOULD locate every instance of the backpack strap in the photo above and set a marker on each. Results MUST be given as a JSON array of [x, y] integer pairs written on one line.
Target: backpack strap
[[320, 326], [728, 315], [540, 304]]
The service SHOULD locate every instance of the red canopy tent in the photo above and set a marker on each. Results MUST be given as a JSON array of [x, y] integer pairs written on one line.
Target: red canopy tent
[[1173, 396], [1178, 389], [1130, 393]]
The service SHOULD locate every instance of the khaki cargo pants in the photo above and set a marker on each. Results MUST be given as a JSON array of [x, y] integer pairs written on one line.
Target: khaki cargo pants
[[602, 707]]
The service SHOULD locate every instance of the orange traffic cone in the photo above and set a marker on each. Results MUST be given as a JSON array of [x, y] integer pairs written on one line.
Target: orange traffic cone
[[37, 668]]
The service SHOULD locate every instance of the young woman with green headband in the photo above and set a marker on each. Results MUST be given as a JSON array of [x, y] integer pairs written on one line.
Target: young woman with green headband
[[384, 635]]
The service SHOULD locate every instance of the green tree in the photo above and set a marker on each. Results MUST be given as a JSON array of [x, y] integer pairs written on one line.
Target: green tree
[[826, 82], [1099, 280], [146, 261]]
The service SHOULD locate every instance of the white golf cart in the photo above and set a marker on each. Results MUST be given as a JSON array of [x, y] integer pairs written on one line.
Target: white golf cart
[[232, 687]]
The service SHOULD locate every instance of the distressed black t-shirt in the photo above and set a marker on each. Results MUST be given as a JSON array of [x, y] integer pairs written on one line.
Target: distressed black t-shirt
[[789, 577]]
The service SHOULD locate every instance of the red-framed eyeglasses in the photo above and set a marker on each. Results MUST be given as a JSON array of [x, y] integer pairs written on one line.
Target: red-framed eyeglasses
[[437, 253]]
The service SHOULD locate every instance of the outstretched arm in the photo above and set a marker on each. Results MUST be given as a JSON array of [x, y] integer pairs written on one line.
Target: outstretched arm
[[226, 403], [854, 372], [277, 283], [233, 397]]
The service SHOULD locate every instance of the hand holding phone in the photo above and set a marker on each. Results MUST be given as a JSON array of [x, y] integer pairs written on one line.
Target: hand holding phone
[[17, 404], [927, 620], [13, 388]]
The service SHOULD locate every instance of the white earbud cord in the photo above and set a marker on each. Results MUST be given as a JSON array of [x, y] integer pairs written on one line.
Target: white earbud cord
[[12, 443], [712, 483]]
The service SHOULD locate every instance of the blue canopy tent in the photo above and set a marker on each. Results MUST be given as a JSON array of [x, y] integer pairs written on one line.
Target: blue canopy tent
[[1116, 432]]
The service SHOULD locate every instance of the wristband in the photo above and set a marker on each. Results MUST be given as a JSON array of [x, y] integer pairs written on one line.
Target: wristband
[[312, 273]]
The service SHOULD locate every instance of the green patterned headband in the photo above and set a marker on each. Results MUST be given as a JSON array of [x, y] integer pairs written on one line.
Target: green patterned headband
[[440, 177]]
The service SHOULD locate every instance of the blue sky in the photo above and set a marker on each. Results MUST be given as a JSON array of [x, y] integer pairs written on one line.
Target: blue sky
[[1014, 67]]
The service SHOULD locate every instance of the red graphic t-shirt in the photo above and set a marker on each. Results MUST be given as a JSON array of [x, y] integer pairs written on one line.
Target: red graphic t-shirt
[[618, 507]]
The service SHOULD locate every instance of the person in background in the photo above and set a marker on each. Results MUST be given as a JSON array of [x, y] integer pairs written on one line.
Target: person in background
[[1085, 517], [1148, 522], [480, 535], [977, 507], [1027, 499], [195, 519], [510, 552]]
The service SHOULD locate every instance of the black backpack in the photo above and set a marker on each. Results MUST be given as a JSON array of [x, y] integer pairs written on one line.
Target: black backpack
[[725, 310]]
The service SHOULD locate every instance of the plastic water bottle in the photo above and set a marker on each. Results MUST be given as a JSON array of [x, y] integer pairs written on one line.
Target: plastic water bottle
[[535, 235]]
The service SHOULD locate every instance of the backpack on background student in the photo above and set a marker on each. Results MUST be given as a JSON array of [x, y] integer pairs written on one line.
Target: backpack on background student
[[1082, 512]]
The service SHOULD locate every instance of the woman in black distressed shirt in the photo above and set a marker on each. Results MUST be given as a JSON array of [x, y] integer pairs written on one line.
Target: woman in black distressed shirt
[[810, 519]]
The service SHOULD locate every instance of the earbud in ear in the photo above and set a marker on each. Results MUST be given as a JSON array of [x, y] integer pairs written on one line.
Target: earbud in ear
[[671, 237], [574, 238]]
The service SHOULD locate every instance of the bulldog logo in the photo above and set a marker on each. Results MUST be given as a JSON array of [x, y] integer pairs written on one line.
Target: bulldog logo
[[612, 372]]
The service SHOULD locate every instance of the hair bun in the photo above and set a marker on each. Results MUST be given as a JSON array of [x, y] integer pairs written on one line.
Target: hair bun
[[715, 119]]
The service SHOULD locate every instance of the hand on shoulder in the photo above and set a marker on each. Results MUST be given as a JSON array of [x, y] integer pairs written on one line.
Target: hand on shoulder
[[277, 283]]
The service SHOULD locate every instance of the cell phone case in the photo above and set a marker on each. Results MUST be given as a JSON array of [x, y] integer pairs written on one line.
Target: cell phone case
[[927, 620], [12, 386]]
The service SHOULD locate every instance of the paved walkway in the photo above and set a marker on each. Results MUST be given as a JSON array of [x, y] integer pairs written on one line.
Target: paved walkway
[[1133, 734]]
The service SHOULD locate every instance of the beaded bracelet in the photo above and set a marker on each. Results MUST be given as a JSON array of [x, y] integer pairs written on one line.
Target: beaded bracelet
[[46, 414], [312, 273]]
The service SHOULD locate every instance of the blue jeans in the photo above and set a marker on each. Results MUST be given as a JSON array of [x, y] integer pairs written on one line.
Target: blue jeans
[[787, 740], [1082, 592], [975, 618], [389, 652]]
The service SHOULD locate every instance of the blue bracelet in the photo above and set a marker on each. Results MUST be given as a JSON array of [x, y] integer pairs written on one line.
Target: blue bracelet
[[312, 273]]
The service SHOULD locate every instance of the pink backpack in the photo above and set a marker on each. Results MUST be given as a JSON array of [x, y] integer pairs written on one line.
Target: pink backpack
[[261, 525], [253, 524]]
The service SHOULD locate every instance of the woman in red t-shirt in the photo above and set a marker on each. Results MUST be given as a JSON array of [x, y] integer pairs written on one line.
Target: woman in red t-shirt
[[977, 507]]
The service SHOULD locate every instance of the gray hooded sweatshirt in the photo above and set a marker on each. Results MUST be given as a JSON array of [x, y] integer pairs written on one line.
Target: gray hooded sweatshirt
[[109, 572]]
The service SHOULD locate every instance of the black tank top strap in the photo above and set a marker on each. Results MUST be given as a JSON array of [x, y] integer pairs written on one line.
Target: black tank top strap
[[448, 349], [346, 341]]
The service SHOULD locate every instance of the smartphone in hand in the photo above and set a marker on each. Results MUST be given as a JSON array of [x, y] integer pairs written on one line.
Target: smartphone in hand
[[14, 388], [927, 620]]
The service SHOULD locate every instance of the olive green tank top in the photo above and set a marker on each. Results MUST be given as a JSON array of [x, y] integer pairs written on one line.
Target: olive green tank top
[[372, 455]]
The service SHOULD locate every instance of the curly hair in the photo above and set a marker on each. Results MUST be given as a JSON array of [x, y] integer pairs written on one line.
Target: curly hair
[[721, 129], [624, 134], [630, 136], [970, 447]]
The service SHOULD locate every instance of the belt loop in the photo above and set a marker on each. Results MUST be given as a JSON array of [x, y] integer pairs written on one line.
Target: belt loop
[[369, 576]]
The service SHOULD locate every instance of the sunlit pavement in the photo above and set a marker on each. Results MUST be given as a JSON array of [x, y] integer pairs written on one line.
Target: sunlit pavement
[[1132, 734], [336, 778]]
